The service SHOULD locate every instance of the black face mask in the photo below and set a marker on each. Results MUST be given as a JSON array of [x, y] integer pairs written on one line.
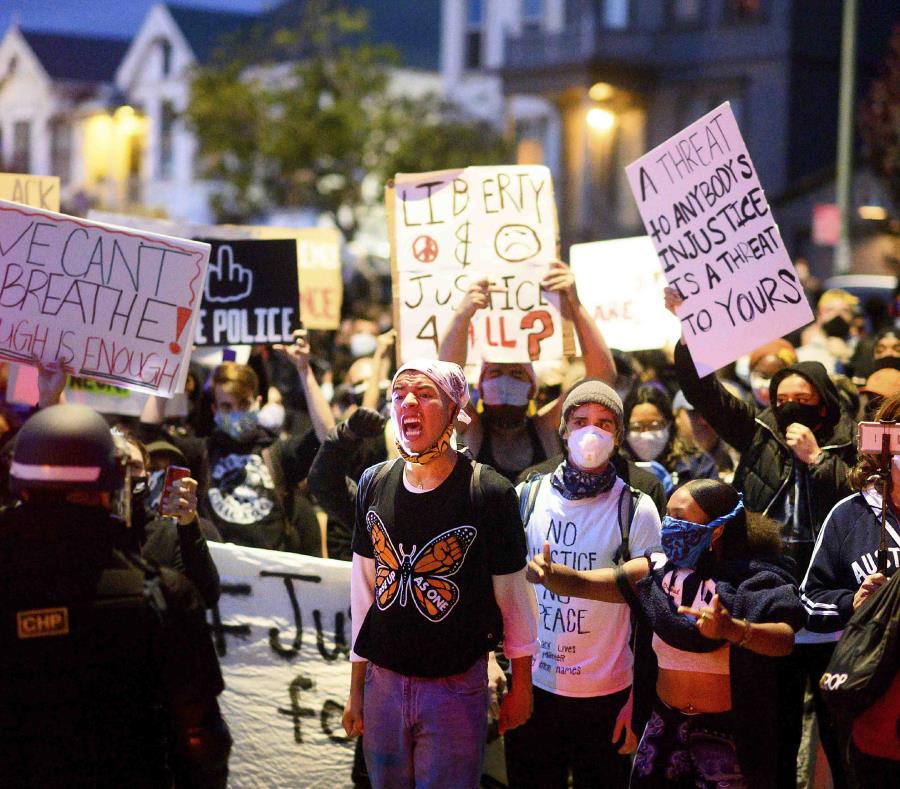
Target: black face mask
[[837, 327], [788, 413]]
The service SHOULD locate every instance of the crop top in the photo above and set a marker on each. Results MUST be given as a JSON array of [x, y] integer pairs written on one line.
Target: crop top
[[676, 583]]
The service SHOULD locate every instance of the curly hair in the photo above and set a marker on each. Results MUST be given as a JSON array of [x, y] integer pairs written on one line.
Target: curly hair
[[867, 465]]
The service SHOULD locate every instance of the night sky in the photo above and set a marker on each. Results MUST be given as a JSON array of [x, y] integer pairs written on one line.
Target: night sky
[[120, 18]]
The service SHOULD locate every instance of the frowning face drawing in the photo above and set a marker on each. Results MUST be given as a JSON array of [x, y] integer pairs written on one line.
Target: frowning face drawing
[[515, 243]]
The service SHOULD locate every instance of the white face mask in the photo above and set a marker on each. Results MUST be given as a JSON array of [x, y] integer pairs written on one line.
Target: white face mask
[[760, 388], [590, 447], [648, 444], [505, 390], [362, 344]]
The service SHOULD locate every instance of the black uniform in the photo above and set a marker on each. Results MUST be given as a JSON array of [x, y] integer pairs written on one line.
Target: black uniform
[[108, 676]]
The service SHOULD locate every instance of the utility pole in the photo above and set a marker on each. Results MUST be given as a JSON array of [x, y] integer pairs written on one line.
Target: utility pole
[[844, 180]]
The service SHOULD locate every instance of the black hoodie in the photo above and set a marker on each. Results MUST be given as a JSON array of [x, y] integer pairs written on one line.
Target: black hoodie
[[768, 469]]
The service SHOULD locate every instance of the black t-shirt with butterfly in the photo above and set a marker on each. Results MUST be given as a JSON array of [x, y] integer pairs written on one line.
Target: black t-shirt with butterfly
[[435, 553]]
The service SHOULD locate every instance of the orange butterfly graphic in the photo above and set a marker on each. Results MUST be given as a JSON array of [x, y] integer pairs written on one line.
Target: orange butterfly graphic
[[425, 572]]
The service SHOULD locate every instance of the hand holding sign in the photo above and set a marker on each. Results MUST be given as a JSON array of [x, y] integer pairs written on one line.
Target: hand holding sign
[[560, 279], [226, 280]]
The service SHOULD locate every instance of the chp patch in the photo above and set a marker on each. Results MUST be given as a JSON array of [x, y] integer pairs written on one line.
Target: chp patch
[[42, 622]]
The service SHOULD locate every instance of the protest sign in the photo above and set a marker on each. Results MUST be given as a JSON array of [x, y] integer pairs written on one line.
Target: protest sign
[[282, 631], [318, 258], [109, 304], [621, 286], [22, 389], [38, 191], [702, 204], [251, 293], [451, 228]]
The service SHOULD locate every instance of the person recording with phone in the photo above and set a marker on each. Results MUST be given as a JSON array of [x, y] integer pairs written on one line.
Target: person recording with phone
[[854, 557]]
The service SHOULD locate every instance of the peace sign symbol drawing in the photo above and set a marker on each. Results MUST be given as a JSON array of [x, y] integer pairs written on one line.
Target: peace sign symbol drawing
[[425, 249]]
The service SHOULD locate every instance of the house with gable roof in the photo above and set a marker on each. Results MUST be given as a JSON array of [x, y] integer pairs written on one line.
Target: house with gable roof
[[113, 109]]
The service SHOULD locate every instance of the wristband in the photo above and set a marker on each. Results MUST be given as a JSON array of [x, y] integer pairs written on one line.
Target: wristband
[[745, 638]]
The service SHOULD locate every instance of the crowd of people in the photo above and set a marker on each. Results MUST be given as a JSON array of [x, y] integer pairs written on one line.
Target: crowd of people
[[642, 572]]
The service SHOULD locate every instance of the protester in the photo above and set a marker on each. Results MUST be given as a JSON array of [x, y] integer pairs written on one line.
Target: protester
[[879, 386], [172, 536], [832, 338], [109, 677], [695, 431], [583, 672], [795, 458], [505, 435], [845, 569], [764, 362], [651, 435], [420, 522], [251, 496], [720, 604]]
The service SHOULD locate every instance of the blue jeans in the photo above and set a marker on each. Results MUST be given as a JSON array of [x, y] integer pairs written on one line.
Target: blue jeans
[[425, 732]]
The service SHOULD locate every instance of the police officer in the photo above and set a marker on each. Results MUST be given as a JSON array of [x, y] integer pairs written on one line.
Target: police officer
[[107, 674]]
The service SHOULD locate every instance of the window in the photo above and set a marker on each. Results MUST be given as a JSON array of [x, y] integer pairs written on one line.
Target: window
[[615, 14], [61, 150], [744, 12], [532, 14], [686, 13], [474, 34], [21, 152], [166, 142], [165, 53]]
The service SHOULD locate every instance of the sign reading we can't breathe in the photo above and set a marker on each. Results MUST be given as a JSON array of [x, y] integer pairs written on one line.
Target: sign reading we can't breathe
[[114, 305], [251, 293], [454, 227], [704, 209]]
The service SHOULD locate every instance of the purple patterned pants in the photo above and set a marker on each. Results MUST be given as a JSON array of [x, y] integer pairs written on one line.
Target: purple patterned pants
[[681, 750]]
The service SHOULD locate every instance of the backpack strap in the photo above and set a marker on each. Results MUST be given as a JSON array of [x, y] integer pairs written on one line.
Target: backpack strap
[[527, 498], [628, 500], [476, 492]]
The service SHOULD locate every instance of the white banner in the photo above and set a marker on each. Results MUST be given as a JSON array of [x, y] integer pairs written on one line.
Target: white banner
[[621, 285], [282, 630], [702, 204], [453, 227]]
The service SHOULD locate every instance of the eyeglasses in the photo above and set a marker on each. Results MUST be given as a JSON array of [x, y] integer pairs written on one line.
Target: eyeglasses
[[643, 427]]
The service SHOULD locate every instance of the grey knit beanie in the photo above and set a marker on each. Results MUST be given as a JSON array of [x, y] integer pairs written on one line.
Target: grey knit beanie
[[593, 390]]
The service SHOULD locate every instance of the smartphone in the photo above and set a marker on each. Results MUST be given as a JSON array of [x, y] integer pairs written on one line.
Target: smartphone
[[869, 437], [173, 473]]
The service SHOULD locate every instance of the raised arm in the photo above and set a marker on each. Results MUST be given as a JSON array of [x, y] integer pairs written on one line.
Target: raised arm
[[454, 344], [380, 365], [319, 411], [598, 359]]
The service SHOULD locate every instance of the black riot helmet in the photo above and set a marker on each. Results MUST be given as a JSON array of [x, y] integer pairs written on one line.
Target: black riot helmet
[[65, 448]]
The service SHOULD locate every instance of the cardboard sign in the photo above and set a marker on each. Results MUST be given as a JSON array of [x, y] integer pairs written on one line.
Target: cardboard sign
[[620, 284], [109, 304], [318, 258], [453, 227], [702, 204], [282, 630], [38, 191], [251, 293]]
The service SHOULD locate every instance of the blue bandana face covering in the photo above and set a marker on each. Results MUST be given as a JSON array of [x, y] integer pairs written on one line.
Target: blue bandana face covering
[[684, 542]]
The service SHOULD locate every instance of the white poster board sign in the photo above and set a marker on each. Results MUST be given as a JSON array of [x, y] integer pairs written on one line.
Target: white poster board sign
[[114, 305], [621, 285], [38, 191], [704, 209], [453, 227], [282, 630]]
